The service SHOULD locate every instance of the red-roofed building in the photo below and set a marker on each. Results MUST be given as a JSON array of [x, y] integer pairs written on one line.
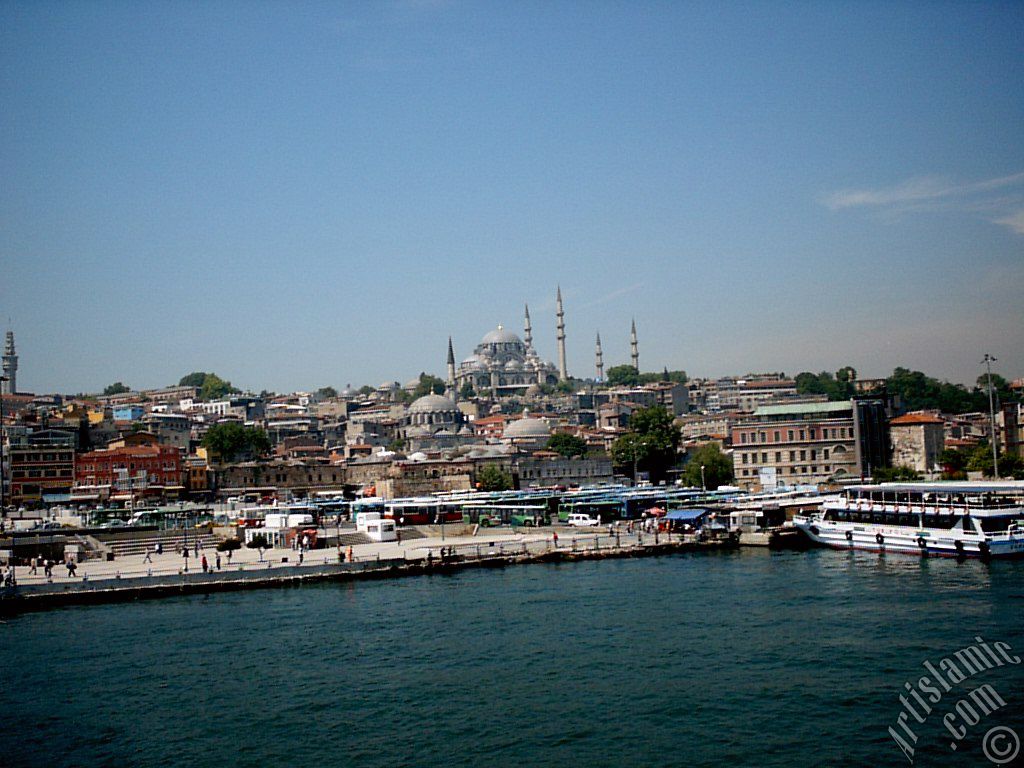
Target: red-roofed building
[[490, 426], [153, 469], [917, 440]]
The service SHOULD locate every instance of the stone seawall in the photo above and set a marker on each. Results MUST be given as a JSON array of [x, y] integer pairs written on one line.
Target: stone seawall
[[33, 597]]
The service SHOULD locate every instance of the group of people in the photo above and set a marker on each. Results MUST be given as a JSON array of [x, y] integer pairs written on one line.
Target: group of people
[[70, 562]]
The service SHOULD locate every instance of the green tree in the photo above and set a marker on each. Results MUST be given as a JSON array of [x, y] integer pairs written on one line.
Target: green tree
[[1011, 465], [650, 445], [326, 393], [366, 389], [565, 387], [567, 445], [838, 387], [211, 386], [717, 468], [918, 392], [490, 478], [676, 377], [894, 474], [623, 376], [467, 392], [980, 459], [117, 388], [231, 439], [428, 385], [194, 379]]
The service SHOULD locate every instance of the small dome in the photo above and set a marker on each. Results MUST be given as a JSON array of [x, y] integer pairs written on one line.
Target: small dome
[[412, 383], [432, 404], [513, 365], [418, 456], [348, 392], [389, 386], [528, 428], [501, 336]]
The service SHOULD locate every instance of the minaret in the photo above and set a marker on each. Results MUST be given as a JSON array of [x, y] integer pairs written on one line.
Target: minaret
[[528, 329], [563, 372], [599, 359], [10, 366], [451, 367], [633, 350]]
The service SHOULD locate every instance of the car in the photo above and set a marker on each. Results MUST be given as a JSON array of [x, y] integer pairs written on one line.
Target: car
[[49, 526], [582, 521]]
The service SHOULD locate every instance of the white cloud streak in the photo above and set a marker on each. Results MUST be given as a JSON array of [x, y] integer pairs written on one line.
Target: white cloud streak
[[937, 192]]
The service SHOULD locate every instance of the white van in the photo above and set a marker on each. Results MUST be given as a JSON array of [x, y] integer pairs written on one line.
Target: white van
[[582, 521]]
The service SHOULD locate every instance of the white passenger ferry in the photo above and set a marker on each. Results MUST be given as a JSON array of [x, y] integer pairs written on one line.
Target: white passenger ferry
[[966, 519]]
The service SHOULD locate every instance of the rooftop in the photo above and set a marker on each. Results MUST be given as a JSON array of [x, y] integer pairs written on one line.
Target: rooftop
[[805, 409]]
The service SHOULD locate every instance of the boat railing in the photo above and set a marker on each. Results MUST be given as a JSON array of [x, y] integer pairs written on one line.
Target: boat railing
[[867, 505]]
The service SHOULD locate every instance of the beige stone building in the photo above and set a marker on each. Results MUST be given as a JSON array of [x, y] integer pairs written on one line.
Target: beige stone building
[[917, 441]]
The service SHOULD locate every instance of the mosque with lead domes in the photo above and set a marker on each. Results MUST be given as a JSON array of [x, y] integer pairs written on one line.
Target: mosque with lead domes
[[506, 365]]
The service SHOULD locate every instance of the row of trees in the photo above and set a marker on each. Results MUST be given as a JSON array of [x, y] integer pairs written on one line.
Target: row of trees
[[915, 390], [629, 376]]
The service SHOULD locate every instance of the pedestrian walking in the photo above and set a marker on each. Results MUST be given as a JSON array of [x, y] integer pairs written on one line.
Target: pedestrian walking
[[71, 567], [184, 555], [216, 560], [261, 553], [206, 565], [301, 555], [149, 555], [351, 558], [196, 547], [34, 562], [229, 556], [47, 568], [554, 538], [159, 548]]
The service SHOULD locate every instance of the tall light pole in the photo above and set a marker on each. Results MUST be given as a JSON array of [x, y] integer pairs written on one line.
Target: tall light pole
[[703, 483], [988, 360]]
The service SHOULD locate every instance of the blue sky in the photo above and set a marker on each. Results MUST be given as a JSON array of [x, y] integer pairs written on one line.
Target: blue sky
[[304, 194]]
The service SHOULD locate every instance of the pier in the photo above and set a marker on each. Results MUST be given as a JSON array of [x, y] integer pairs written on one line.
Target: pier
[[126, 580]]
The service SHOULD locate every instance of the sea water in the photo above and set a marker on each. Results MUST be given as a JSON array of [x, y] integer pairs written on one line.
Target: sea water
[[736, 658]]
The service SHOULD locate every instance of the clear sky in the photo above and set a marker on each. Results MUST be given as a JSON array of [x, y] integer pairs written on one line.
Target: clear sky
[[301, 194]]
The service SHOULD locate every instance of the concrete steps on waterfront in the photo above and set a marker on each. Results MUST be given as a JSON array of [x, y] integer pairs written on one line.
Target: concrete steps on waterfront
[[170, 541]]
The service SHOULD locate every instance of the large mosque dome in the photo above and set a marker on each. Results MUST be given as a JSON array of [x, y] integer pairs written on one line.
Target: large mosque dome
[[527, 428], [432, 404], [501, 336]]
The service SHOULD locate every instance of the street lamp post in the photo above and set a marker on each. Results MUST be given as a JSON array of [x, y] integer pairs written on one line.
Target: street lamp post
[[703, 483], [988, 360]]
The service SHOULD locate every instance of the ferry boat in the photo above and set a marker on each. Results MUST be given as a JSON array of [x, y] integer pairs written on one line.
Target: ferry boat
[[969, 519]]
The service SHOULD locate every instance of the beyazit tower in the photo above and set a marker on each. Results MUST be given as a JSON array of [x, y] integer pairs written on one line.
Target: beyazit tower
[[10, 387]]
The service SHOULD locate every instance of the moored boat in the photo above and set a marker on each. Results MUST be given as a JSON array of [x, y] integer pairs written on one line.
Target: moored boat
[[962, 519]]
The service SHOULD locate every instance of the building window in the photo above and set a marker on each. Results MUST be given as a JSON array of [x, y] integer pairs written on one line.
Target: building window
[[778, 457], [803, 455], [789, 435], [743, 437], [802, 437], [825, 456], [777, 436]]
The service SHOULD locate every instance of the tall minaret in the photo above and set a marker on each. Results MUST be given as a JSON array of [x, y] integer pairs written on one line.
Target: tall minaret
[[599, 359], [451, 367], [10, 366], [633, 350], [528, 328], [563, 372]]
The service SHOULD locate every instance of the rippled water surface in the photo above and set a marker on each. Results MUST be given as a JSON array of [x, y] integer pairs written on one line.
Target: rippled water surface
[[746, 658]]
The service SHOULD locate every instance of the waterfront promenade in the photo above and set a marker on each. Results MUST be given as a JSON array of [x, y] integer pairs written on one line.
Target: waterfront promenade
[[133, 577]]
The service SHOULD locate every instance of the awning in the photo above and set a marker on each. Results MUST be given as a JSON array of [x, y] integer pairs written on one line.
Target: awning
[[686, 515], [56, 498]]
